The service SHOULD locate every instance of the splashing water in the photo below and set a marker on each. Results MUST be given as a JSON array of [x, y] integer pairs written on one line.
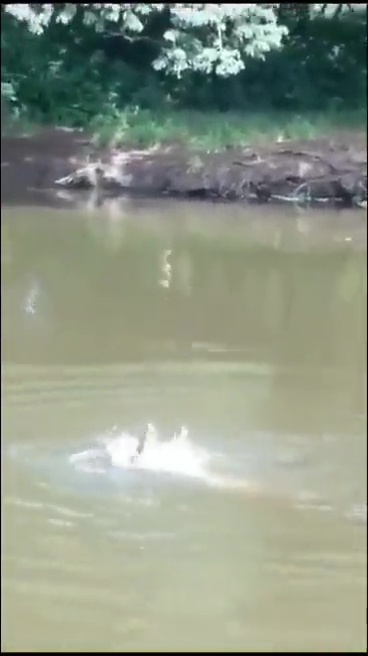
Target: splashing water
[[176, 456], [117, 455]]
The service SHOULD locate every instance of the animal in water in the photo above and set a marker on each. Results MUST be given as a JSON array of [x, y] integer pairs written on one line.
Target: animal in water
[[124, 449], [147, 438]]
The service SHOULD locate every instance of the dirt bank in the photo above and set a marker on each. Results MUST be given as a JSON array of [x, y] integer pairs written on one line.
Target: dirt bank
[[323, 170]]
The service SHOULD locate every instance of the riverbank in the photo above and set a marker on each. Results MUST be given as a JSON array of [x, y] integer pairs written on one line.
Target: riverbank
[[329, 169]]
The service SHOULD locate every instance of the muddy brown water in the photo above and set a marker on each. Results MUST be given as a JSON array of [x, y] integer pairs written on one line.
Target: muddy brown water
[[250, 327]]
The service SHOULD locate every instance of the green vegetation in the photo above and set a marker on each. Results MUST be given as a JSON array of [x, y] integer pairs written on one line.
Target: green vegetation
[[219, 130], [210, 75]]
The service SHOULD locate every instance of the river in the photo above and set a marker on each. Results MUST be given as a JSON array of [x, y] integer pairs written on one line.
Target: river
[[246, 325]]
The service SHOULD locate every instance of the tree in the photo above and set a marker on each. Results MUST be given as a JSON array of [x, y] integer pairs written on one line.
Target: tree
[[208, 38], [73, 62]]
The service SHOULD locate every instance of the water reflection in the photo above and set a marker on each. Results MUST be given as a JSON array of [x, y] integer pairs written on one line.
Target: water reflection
[[161, 291], [166, 269]]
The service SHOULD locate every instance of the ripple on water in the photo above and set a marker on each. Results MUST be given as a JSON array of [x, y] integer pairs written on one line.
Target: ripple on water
[[88, 474]]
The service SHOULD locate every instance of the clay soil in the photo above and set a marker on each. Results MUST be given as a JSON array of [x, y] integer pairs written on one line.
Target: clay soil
[[332, 170]]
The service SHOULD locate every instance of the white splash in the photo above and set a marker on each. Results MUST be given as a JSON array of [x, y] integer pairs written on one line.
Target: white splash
[[122, 450], [177, 455]]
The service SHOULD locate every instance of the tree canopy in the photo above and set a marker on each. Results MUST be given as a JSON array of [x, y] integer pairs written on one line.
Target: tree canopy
[[85, 56], [200, 37]]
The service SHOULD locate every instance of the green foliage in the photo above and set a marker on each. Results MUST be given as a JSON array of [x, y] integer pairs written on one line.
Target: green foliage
[[321, 66], [63, 75], [77, 63], [211, 130], [202, 37], [218, 38]]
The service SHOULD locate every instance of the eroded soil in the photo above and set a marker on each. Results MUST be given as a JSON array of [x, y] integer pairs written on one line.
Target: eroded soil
[[332, 170]]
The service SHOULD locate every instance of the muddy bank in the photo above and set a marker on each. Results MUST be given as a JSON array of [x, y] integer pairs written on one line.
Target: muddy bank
[[316, 171]]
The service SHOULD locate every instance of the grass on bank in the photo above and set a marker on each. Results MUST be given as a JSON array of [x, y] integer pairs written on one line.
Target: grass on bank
[[209, 131], [218, 131]]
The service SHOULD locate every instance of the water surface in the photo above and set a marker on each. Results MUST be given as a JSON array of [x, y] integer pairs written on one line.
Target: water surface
[[247, 325]]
